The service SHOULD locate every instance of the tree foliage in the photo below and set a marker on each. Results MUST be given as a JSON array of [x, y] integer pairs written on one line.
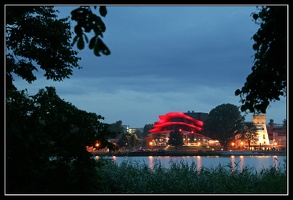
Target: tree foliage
[[146, 129], [37, 40], [250, 133], [116, 127], [175, 138], [87, 21], [223, 122], [123, 141], [133, 139], [268, 79], [46, 139]]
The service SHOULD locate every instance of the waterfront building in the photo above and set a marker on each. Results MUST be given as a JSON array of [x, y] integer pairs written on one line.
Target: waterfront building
[[186, 123], [277, 135], [197, 115], [270, 136], [260, 122]]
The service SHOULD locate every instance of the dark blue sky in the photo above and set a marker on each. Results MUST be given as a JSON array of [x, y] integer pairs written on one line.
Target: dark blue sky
[[164, 58]]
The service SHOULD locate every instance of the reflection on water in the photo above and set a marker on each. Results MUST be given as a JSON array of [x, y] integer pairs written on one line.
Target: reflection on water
[[198, 159], [234, 162]]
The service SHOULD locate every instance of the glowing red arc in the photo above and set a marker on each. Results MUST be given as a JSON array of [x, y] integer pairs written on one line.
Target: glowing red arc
[[165, 122]]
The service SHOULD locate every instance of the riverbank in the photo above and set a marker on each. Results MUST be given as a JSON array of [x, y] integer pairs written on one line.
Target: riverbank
[[205, 175], [192, 153]]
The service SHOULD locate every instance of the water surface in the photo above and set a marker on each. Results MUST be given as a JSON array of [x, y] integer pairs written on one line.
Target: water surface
[[239, 162]]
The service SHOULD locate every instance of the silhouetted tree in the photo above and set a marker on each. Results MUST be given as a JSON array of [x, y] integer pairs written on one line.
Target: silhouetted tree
[[138, 134], [123, 141], [46, 136], [223, 122], [146, 129], [268, 79], [45, 144], [87, 22], [133, 140], [116, 127], [36, 39], [175, 138], [250, 133]]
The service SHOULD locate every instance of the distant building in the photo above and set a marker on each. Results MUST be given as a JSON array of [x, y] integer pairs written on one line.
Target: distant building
[[133, 130], [270, 137], [197, 115], [189, 124], [260, 123], [125, 128], [277, 134]]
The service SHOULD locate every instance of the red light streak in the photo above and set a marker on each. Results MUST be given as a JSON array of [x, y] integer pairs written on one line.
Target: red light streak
[[164, 122]]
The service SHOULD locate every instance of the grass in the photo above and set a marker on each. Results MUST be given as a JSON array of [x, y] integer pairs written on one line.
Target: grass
[[181, 178]]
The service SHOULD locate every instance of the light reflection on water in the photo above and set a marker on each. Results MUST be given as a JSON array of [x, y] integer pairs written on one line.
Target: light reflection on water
[[234, 162]]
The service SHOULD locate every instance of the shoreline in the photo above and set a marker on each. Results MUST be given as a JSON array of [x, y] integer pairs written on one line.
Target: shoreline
[[197, 153]]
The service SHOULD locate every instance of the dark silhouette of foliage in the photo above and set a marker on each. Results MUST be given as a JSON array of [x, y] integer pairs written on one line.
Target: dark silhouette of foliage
[[250, 133], [138, 133], [268, 79], [223, 122], [123, 141], [45, 136], [116, 127], [133, 140], [175, 138], [87, 21], [146, 129], [37, 40], [46, 139]]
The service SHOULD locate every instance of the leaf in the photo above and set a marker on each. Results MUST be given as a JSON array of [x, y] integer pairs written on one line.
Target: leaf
[[103, 11], [255, 16], [103, 47], [80, 43], [74, 14], [237, 92], [78, 30], [96, 50], [92, 42], [100, 24], [255, 47]]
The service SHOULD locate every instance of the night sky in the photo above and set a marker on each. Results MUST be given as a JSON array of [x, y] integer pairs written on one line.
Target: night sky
[[164, 58]]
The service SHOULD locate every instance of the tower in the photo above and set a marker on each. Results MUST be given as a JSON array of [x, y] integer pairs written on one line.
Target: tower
[[260, 123]]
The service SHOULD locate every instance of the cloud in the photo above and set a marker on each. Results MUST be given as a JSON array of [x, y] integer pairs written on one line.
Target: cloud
[[163, 59]]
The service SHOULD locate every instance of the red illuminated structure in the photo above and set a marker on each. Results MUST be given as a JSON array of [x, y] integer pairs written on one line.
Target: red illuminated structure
[[177, 120], [190, 128]]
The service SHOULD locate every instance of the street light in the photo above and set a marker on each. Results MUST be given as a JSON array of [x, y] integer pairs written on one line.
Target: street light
[[151, 144], [241, 145], [275, 143], [233, 145]]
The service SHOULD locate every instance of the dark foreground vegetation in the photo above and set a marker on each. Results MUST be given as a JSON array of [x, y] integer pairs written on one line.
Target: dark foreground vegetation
[[181, 178], [136, 178]]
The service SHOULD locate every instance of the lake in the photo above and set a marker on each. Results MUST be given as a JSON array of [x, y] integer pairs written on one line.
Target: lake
[[256, 162]]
